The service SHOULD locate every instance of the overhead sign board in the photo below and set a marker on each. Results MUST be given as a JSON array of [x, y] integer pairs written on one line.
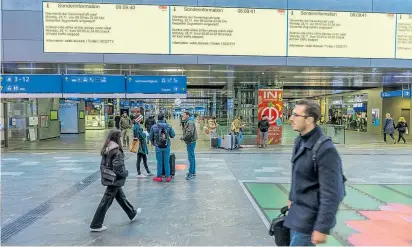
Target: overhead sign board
[[228, 31], [105, 28], [341, 34], [93, 86], [392, 94], [30, 86], [158, 29], [156, 86]]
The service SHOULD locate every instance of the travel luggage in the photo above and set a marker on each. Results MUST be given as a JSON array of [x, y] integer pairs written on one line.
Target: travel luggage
[[230, 142], [172, 164], [213, 142], [280, 232], [219, 142]]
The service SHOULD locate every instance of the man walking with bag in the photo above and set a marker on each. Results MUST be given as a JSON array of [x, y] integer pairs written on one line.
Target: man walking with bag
[[190, 138], [317, 179]]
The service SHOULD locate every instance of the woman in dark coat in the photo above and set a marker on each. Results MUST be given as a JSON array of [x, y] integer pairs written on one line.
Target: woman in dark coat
[[143, 151], [402, 128], [112, 160], [389, 128]]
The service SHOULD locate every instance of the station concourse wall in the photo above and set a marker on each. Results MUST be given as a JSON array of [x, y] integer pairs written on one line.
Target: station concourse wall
[[22, 34], [394, 106]]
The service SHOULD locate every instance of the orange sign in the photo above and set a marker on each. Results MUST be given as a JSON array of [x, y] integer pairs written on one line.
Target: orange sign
[[270, 104]]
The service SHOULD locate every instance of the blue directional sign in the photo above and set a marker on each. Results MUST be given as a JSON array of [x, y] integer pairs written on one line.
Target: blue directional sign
[[93, 84], [156, 84], [391, 94], [34, 84], [406, 93]]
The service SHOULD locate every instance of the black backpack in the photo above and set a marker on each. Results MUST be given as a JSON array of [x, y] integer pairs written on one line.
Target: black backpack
[[315, 149], [162, 137]]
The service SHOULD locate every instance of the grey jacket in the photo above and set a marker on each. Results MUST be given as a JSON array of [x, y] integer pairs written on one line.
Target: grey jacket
[[125, 123], [189, 131], [389, 127], [113, 158]]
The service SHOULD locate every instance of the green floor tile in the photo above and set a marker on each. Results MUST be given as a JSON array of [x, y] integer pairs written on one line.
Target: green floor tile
[[404, 188], [268, 195], [341, 228], [359, 201], [384, 194], [332, 241], [271, 214]]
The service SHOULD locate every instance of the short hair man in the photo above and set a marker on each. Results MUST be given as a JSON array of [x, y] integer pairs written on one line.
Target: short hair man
[[317, 186], [160, 135], [263, 127], [190, 138]]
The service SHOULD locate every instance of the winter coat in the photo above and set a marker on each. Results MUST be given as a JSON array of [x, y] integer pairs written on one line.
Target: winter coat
[[189, 131], [113, 159], [139, 134], [389, 127], [402, 127], [263, 125]]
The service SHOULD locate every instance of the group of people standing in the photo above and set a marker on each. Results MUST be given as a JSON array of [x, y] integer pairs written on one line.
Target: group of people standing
[[112, 167]]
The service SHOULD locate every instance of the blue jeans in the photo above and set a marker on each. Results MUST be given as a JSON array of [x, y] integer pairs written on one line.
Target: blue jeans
[[240, 138], [191, 155], [300, 239], [163, 157]]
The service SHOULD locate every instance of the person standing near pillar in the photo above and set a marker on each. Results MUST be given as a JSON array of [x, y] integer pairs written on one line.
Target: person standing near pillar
[[190, 137]]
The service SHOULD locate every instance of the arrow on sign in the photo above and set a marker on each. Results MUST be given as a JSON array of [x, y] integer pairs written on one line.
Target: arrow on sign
[[66, 78]]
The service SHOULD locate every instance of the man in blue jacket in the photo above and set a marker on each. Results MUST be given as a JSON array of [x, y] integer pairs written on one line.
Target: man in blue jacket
[[316, 192], [160, 135]]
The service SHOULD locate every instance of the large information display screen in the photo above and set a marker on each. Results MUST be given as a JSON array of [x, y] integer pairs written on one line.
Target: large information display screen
[[105, 28], [228, 31], [341, 34], [180, 30], [404, 36]]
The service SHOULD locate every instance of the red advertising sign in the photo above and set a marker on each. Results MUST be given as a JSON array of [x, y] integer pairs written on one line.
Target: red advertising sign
[[270, 104]]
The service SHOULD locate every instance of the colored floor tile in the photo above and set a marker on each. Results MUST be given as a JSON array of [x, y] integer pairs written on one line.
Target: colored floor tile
[[341, 227], [359, 201], [384, 194], [268, 195], [404, 188]]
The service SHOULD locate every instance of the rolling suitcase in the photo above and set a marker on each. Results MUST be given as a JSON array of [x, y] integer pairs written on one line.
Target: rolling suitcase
[[219, 142], [172, 164], [214, 142], [229, 142]]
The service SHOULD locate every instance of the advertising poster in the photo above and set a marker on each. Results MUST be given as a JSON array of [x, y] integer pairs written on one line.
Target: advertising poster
[[375, 117], [270, 104]]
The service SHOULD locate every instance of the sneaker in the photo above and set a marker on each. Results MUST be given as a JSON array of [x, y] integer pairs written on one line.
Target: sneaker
[[169, 179], [149, 174], [137, 211], [101, 229], [190, 177], [158, 179], [140, 176]]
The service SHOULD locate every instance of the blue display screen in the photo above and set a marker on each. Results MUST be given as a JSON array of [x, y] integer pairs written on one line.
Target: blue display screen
[[156, 84], [31, 83], [98, 84]]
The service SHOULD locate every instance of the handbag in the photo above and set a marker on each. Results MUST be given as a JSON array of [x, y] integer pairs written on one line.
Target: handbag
[[108, 173], [280, 232], [134, 148]]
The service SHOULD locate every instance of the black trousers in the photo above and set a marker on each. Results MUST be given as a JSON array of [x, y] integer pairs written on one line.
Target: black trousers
[[139, 160], [401, 135], [111, 193], [384, 136]]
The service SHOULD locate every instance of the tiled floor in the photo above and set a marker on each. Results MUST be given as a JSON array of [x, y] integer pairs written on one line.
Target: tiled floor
[[49, 197]]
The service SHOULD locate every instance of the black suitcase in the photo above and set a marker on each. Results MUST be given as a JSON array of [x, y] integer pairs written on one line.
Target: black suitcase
[[214, 143], [172, 163]]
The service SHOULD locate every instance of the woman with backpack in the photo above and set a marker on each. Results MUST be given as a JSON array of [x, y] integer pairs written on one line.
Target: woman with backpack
[[113, 176], [402, 128], [143, 151]]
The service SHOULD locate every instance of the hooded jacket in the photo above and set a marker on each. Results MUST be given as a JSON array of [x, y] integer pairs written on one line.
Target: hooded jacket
[[113, 159], [149, 123]]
